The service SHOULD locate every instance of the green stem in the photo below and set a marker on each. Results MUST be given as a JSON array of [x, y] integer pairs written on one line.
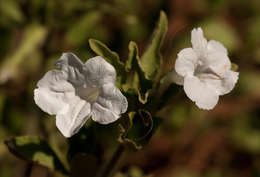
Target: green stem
[[110, 167]]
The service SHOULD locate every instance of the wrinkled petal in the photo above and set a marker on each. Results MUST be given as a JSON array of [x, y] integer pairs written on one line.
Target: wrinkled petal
[[103, 115], [50, 102], [215, 46], [99, 72], [204, 96], [186, 62], [199, 42], [73, 67], [77, 113], [111, 98], [55, 80]]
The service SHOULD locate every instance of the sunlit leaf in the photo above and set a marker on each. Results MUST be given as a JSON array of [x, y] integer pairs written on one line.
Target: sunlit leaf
[[33, 149]]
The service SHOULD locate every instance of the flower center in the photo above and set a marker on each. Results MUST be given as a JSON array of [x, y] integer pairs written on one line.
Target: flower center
[[203, 72], [90, 94]]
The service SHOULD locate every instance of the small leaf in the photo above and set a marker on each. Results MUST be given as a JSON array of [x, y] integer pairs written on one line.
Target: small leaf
[[112, 57], [151, 60], [142, 126], [132, 83], [141, 85], [234, 67], [31, 148]]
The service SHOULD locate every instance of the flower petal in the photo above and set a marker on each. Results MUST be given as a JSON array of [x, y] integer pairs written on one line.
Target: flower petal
[[70, 121], [224, 85], [103, 115], [109, 105], [199, 42], [215, 46], [55, 80], [99, 72], [186, 62], [218, 62], [110, 97], [73, 67], [229, 81], [204, 96], [53, 92], [50, 102]]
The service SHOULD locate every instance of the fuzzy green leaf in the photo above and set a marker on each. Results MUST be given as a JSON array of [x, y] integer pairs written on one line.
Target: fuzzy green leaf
[[33, 149], [151, 60]]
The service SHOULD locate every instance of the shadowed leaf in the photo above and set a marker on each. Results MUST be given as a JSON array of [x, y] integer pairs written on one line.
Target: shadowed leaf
[[151, 60], [136, 80]]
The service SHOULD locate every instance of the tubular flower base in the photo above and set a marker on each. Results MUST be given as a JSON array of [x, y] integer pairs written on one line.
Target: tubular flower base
[[204, 70], [75, 92]]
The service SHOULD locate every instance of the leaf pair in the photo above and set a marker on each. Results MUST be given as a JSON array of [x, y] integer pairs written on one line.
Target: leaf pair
[[137, 74]]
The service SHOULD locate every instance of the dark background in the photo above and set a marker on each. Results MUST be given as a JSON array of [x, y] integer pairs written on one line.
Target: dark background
[[224, 142]]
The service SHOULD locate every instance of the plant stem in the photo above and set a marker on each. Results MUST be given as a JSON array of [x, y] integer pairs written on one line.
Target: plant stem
[[113, 161]]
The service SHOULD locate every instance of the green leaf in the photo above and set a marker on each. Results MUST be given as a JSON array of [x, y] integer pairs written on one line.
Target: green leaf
[[234, 67], [136, 78], [112, 57], [151, 60], [31, 148]]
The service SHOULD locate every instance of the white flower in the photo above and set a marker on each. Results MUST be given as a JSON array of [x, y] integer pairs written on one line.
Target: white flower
[[76, 91], [204, 70]]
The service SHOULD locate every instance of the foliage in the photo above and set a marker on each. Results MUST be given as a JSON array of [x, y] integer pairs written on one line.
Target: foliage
[[189, 142]]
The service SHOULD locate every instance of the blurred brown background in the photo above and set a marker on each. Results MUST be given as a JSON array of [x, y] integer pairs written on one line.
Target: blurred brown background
[[190, 142]]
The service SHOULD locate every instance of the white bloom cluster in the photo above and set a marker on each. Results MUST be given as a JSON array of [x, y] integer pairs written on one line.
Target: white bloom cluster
[[75, 92], [204, 70]]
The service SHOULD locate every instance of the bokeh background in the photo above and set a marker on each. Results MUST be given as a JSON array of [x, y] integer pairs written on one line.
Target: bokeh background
[[190, 142]]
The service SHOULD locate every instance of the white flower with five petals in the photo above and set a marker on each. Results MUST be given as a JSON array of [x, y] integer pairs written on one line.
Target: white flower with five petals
[[75, 92], [204, 70]]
